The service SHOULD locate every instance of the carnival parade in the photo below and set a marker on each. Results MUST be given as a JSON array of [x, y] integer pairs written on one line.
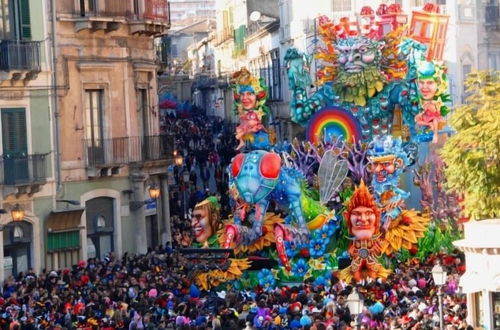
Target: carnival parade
[[361, 216]]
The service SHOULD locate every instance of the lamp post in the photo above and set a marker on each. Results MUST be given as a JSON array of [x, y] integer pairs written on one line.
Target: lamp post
[[185, 179], [356, 305], [439, 276]]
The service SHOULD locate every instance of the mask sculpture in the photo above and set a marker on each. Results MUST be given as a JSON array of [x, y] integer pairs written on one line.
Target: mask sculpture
[[369, 242]]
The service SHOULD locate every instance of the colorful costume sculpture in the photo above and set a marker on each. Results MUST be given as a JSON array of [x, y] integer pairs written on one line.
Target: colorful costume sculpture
[[376, 80], [365, 73], [388, 161], [363, 222], [259, 177], [205, 224], [362, 83], [432, 86], [250, 96], [362, 216]]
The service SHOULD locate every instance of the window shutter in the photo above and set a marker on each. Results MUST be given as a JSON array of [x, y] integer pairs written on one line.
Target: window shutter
[[14, 131], [24, 19], [63, 241]]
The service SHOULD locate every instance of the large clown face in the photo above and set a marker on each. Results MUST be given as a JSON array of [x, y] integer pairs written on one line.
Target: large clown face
[[200, 224], [355, 54], [363, 222]]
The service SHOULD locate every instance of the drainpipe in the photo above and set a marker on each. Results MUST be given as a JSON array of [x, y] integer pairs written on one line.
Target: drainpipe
[[57, 156]]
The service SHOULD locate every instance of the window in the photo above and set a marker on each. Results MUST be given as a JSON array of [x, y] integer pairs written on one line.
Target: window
[[466, 69], [341, 5], [94, 115], [94, 125], [15, 145], [275, 88], [87, 7], [493, 61], [15, 20], [14, 137], [418, 3], [142, 108]]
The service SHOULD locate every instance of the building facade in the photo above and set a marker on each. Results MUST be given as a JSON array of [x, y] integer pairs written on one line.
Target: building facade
[[481, 281], [111, 151], [26, 166], [182, 9]]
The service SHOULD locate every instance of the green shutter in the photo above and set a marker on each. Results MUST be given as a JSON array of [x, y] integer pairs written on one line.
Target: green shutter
[[14, 131], [63, 241], [24, 19], [239, 39]]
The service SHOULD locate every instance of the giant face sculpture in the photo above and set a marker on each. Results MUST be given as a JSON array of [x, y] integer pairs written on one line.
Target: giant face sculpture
[[362, 222], [383, 168], [428, 88], [387, 159], [204, 221], [362, 214], [355, 54], [200, 224], [248, 98]]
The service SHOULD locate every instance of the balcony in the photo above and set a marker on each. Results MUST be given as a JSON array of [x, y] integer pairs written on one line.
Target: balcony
[[23, 173], [149, 17], [19, 60], [154, 19], [104, 157]]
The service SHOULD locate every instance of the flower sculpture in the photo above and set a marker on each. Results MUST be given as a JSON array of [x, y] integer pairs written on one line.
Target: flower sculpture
[[266, 279], [300, 268]]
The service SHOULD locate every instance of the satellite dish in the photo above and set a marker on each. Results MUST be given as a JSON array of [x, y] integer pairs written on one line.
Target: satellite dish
[[255, 16]]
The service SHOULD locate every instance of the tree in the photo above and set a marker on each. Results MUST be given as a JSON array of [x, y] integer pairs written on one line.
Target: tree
[[472, 154]]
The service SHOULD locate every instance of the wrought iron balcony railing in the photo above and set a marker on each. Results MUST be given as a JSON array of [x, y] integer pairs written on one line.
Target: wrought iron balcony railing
[[99, 8], [156, 10], [131, 9], [125, 150], [20, 55], [16, 170]]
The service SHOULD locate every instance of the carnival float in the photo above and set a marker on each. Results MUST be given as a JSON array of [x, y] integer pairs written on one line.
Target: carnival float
[[334, 202]]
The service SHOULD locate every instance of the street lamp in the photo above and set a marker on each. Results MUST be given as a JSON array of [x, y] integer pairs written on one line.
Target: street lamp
[[355, 305], [153, 191], [17, 213], [439, 276], [179, 160], [185, 179]]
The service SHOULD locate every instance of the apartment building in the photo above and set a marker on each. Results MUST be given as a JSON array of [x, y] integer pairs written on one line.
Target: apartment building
[[26, 165], [112, 156]]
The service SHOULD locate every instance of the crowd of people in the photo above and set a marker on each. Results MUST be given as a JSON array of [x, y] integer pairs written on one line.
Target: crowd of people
[[154, 291], [207, 145]]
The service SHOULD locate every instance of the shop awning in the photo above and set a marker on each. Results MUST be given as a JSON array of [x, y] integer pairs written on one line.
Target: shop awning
[[67, 220]]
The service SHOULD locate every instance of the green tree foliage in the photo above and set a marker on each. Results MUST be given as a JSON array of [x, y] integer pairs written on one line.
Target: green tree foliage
[[472, 154]]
